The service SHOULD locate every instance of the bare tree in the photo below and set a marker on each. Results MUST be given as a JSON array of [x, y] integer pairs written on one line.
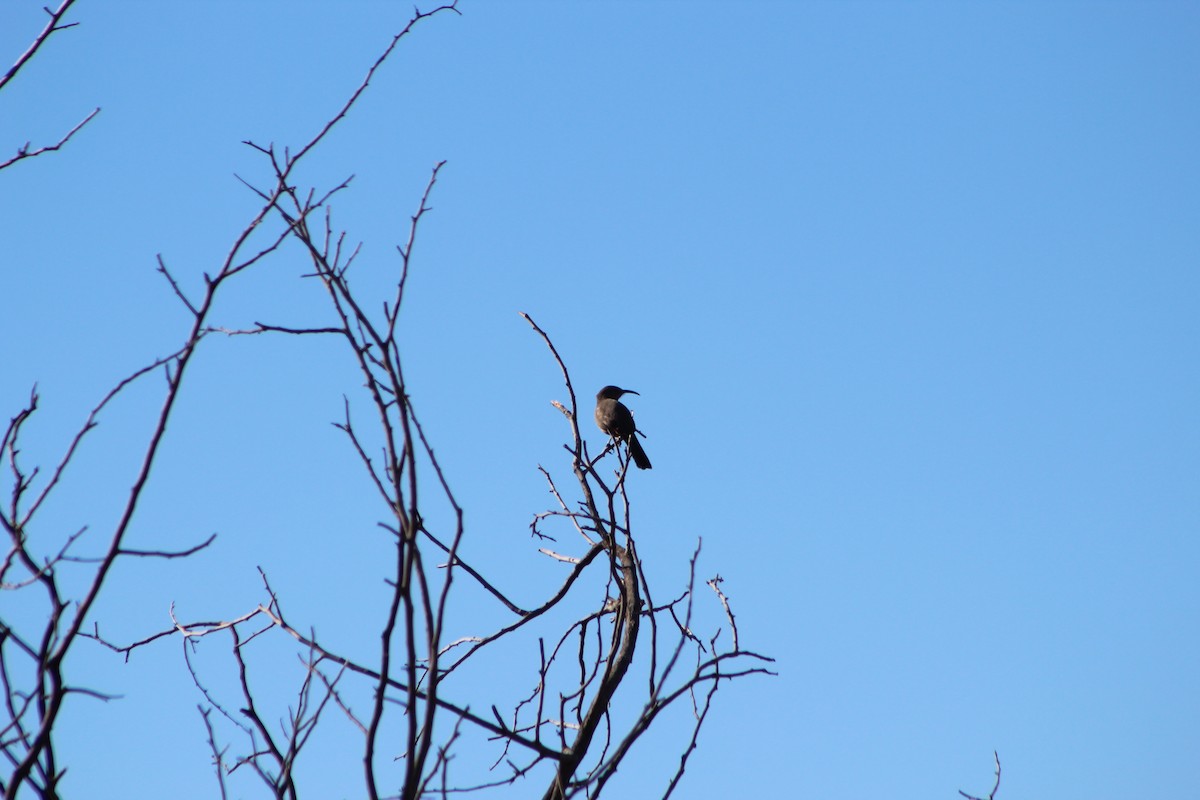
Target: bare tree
[[580, 711], [567, 728]]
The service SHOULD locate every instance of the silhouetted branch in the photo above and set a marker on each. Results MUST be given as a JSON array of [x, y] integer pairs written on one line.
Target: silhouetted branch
[[53, 25], [218, 753], [24, 150], [169, 553], [995, 787]]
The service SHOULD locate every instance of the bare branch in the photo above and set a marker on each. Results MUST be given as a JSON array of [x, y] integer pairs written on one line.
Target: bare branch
[[24, 152], [162, 268], [169, 553], [91, 422], [53, 25], [417, 17], [218, 753], [715, 584], [995, 787]]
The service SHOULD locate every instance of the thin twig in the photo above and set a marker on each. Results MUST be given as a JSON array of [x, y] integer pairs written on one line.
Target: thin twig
[[24, 152], [995, 787]]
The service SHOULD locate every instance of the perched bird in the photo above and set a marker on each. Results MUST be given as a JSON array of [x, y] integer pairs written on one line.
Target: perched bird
[[614, 419]]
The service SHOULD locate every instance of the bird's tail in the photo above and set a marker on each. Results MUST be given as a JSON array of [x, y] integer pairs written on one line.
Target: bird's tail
[[639, 455]]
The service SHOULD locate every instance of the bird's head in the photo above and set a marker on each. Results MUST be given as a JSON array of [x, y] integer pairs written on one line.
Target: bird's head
[[612, 393]]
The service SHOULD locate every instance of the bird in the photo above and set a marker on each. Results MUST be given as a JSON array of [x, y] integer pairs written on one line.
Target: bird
[[614, 419]]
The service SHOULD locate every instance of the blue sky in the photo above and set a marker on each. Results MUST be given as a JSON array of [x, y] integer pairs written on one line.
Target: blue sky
[[909, 290]]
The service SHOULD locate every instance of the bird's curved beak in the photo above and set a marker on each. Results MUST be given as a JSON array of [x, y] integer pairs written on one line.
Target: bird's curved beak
[[631, 391]]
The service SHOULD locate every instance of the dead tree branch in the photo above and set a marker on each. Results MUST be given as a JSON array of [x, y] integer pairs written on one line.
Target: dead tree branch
[[995, 787], [53, 25]]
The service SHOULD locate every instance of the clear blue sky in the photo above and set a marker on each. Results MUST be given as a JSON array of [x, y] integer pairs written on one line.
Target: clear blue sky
[[911, 293]]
